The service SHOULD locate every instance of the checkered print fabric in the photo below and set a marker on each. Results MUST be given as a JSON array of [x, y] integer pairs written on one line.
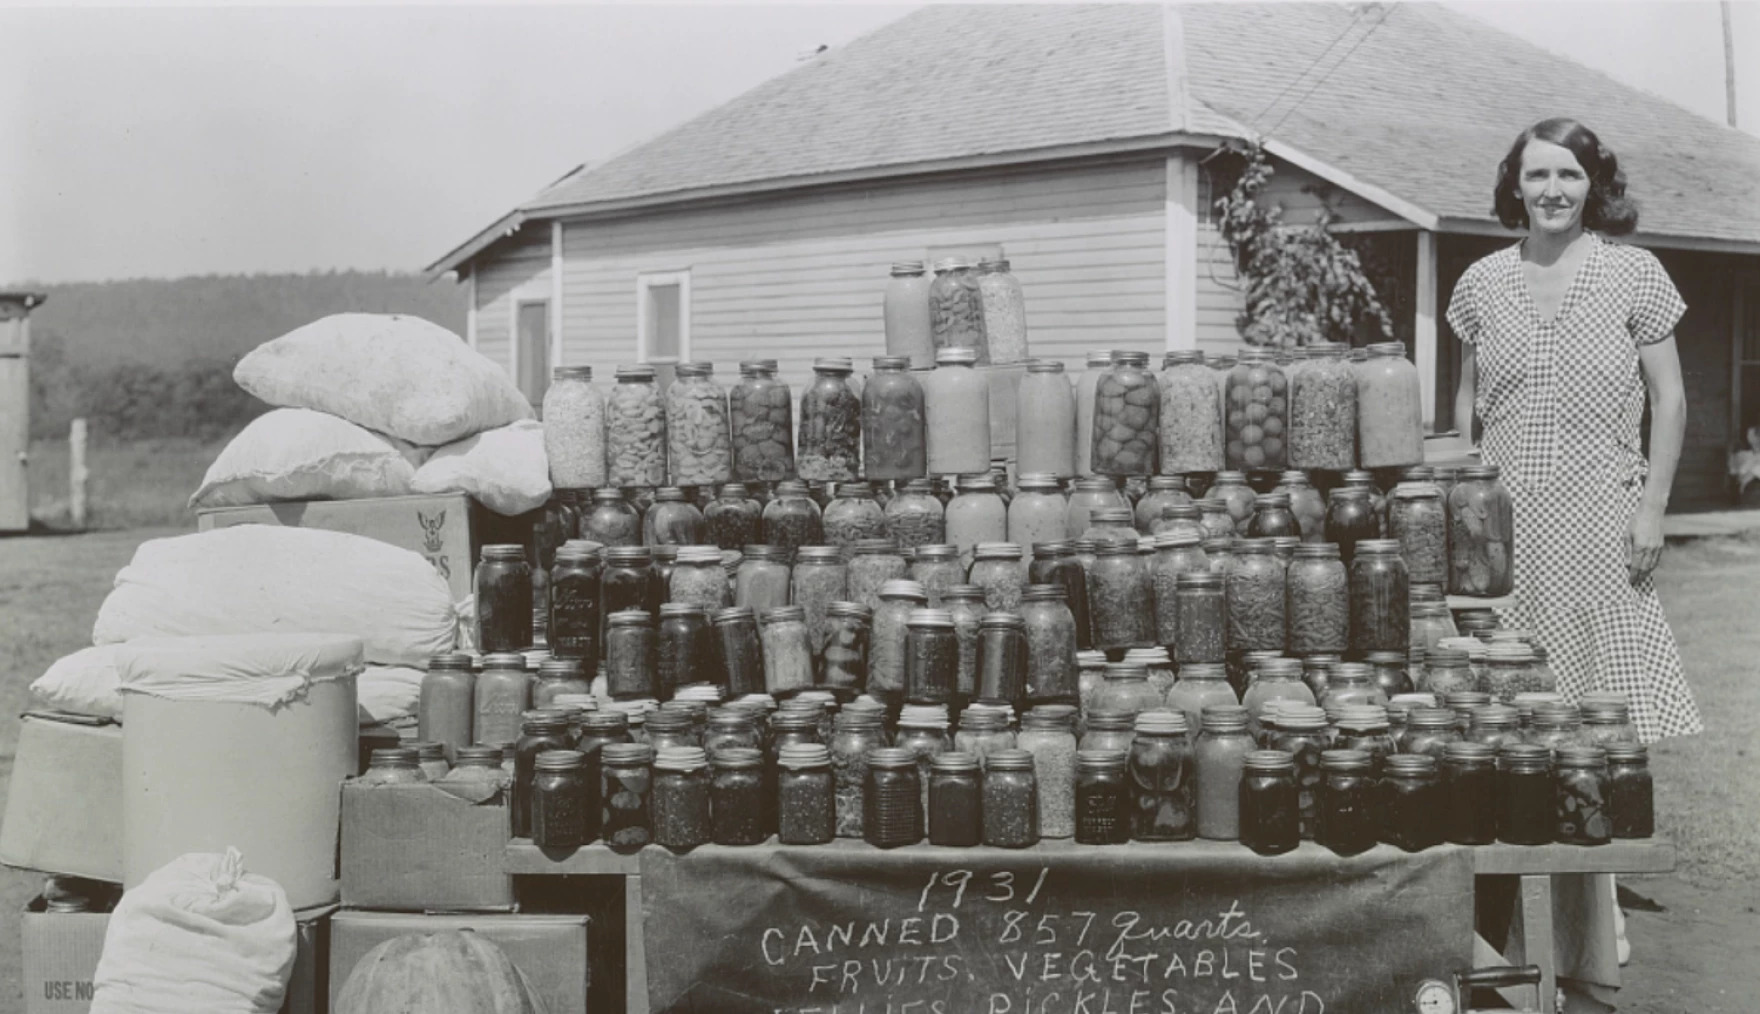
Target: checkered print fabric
[[1561, 402]]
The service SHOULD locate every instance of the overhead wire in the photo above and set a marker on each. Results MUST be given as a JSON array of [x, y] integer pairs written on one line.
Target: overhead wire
[[1387, 12]]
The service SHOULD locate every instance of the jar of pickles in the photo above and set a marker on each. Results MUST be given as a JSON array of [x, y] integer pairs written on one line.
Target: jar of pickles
[[820, 578], [1416, 520], [1301, 732], [626, 819], [1390, 412], [894, 422], [1161, 772], [1481, 534], [761, 413], [1257, 413], [1127, 410], [1580, 803], [793, 519], [830, 444], [1045, 436], [958, 404], [956, 308]]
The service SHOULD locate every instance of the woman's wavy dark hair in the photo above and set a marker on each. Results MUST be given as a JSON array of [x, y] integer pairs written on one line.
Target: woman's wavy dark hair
[[1608, 210]]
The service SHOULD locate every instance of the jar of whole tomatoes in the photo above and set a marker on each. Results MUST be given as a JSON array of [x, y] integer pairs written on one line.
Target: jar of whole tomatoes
[[1127, 409], [1257, 413]]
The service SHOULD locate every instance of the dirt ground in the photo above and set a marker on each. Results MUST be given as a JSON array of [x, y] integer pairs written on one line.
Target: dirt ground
[[1695, 933]]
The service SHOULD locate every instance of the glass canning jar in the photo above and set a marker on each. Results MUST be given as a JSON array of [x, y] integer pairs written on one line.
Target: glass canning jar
[[1275, 682], [1380, 598], [916, 517], [559, 798], [698, 579], [1203, 619], [955, 800], [680, 798], [734, 519], [1162, 804], [931, 657], [1112, 524], [737, 803], [1350, 519], [1200, 685], [1390, 412], [805, 807], [1005, 312], [937, 568], [977, 514], [1429, 731], [1580, 802], [894, 422], [1349, 812], [872, 563], [1232, 489], [1127, 424], [956, 309], [1047, 733], [1630, 800], [1317, 600], [1469, 793], [887, 641], [1323, 413], [739, 648], [1306, 504], [626, 787], [1302, 733], [853, 515], [857, 733], [574, 428], [1214, 519], [1527, 810], [1255, 593], [635, 430], [1272, 518], [1431, 622], [829, 447], [982, 731], [820, 577], [572, 627], [1447, 670], [1101, 794], [905, 313], [1011, 800], [1416, 520], [922, 729], [761, 413], [792, 519], [1087, 383], [1555, 726], [958, 404], [1045, 436], [1509, 670], [1164, 491], [1126, 690], [997, 568], [1605, 722], [763, 579], [667, 728], [892, 799], [1411, 803], [558, 676], [1390, 669], [630, 581], [1121, 599], [788, 654], [612, 520], [1180, 518], [699, 451], [1495, 725], [1089, 494], [1270, 815], [1481, 534], [630, 654], [504, 599], [1365, 727], [1055, 563], [1175, 554], [1352, 683], [1257, 413], [1001, 660], [393, 766], [1191, 424], [1036, 513], [1220, 754]]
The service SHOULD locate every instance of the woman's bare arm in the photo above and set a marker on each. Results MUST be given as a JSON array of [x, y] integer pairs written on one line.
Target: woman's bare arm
[[1661, 363], [1464, 392]]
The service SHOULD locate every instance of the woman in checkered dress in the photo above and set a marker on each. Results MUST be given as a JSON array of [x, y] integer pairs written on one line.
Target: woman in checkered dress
[[1562, 333]]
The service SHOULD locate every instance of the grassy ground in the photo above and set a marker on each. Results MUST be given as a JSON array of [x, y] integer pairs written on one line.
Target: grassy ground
[[1695, 954], [128, 485]]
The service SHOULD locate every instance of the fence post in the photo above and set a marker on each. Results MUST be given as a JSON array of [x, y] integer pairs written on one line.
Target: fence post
[[76, 472]]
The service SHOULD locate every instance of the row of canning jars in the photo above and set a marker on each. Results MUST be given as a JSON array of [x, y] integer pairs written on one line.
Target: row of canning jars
[[979, 307], [697, 433], [1322, 412]]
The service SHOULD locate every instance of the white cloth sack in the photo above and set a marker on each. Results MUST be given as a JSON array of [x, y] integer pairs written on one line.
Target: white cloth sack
[[388, 693], [84, 683], [505, 469], [252, 579], [395, 374], [299, 454], [198, 936], [264, 669]]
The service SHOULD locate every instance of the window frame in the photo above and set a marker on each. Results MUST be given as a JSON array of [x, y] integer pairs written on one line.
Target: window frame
[[648, 280]]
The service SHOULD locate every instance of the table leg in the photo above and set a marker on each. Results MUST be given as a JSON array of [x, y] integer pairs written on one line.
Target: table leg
[[635, 954], [1537, 936]]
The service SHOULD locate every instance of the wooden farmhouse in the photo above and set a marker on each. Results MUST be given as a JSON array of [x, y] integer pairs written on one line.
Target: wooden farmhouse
[[1076, 140]]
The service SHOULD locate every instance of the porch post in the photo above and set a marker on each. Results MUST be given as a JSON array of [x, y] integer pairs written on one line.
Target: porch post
[[1424, 325]]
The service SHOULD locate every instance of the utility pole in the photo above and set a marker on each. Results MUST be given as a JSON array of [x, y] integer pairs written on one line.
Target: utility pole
[[1729, 66]]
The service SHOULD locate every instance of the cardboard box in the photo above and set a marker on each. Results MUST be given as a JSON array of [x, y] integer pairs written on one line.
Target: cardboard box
[[64, 806], [550, 949], [61, 954], [419, 848]]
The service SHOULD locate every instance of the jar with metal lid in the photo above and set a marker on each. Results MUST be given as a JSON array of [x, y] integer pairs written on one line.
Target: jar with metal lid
[[1215, 523], [996, 568], [573, 626], [761, 412], [502, 692], [857, 733], [667, 729], [792, 519], [931, 657], [698, 447], [1190, 415], [1630, 800], [1447, 670], [1127, 417], [1390, 420], [982, 732], [680, 798], [820, 577], [739, 647], [1366, 728], [1380, 598], [1429, 731], [1045, 437], [1352, 683], [922, 729], [1301, 732], [1417, 521], [1431, 624], [854, 517], [1605, 722], [1089, 494], [1047, 734], [1005, 312], [1526, 809], [1323, 413], [977, 515], [955, 800], [558, 676], [635, 430], [1179, 519], [1272, 518], [1037, 512], [1494, 725], [1121, 598], [734, 519], [1270, 821], [1101, 798], [788, 656], [1176, 554], [916, 517], [965, 603], [1580, 803], [504, 599], [891, 799], [737, 801], [557, 801], [599, 729], [844, 655], [887, 641], [612, 521], [872, 563], [626, 789], [1542, 669], [956, 309], [1391, 671], [1411, 803], [1001, 659], [830, 440], [1509, 670], [1111, 524], [1010, 804], [1098, 362], [1306, 505], [1161, 782], [1220, 759], [1255, 593], [447, 704], [906, 316], [1350, 819], [1257, 413], [1351, 519], [1481, 534], [481, 766], [957, 399], [936, 568], [1055, 563], [805, 807], [1200, 685], [1203, 618], [629, 581], [1555, 726], [764, 578], [393, 766], [894, 422], [1275, 681], [574, 428], [731, 728], [1317, 600], [1469, 793], [630, 653], [1107, 730], [1050, 668], [699, 580]]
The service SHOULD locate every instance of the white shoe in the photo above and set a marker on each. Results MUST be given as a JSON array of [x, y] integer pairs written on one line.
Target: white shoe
[[1622, 948]]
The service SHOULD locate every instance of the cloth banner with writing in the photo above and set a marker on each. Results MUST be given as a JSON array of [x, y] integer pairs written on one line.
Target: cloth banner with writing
[[1185, 928]]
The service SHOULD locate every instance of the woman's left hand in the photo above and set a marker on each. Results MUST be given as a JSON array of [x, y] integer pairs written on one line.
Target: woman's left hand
[[1644, 544]]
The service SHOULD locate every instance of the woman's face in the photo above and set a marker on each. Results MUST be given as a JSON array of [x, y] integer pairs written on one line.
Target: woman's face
[[1553, 187]]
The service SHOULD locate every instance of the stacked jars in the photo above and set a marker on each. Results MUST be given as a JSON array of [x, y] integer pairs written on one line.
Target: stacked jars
[[976, 515], [1005, 312], [699, 451], [1317, 601], [1415, 519], [1380, 598], [894, 422], [1051, 665], [761, 410], [1046, 434], [574, 429], [635, 430], [733, 520], [958, 400], [1191, 437], [956, 310], [916, 517], [909, 334], [1323, 413], [1481, 534], [1036, 513], [1121, 598], [1257, 413], [1086, 386], [1390, 412], [1127, 409], [1255, 594], [830, 444]]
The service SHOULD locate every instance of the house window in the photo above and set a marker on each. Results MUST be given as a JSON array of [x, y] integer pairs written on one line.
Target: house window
[[663, 318], [531, 350]]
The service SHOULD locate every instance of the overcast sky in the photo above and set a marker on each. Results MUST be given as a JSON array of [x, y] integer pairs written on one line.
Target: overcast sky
[[168, 142]]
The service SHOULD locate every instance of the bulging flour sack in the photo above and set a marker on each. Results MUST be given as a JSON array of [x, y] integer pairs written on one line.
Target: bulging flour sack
[[299, 454], [392, 373], [505, 469]]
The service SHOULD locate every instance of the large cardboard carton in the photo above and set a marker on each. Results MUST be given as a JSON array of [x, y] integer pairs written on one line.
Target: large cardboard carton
[[550, 949], [64, 804], [419, 848], [61, 952]]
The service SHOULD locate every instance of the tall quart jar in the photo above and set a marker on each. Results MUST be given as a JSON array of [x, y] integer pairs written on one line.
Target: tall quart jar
[[1221, 756], [1121, 598], [1005, 312], [1191, 415], [916, 516], [1011, 800], [1101, 797], [905, 313], [673, 520], [1257, 413], [447, 703], [931, 657], [1037, 512], [894, 423], [740, 651], [956, 310], [1481, 538], [892, 799], [830, 444], [888, 640], [1317, 602], [1380, 598], [1630, 791], [857, 733], [1301, 733], [1045, 434], [680, 799], [1416, 520], [761, 414], [997, 568], [626, 792], [1085, 388], [699, 451], [635, 430], [976, 515], [1127, 417], [958, 403], [1165, 492], [574, 429], [1270, 814], [734, 519], [805, 807], [793, 519], [965, 603], [1323, 413], [1176, 553], [504, 599], [937, 568], [1255, 592], [1203, 619], [1277, 682], [1390, 411], [1161, 779], [630, 652], [1047, 736]]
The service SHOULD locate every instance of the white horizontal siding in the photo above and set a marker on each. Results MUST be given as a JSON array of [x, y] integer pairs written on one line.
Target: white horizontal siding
[[521, 262], [797, 277], [1219, 298]]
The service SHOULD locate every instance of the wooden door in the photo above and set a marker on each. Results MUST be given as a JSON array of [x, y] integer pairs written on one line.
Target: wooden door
[[15, 420]]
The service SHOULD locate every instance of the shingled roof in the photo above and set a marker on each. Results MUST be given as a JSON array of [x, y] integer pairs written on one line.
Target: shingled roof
[[1414, 104]]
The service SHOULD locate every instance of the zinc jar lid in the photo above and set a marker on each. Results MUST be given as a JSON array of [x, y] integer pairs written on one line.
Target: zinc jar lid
[[630, 618], [954, 762], [904, 589], [1409, 764], [736, 757], [935, 553], [1345, 760], [559, 760], [818, 554], [996, 551], [849, 611], [891, 757], [572, 373], [635, 372], [803, 755], [680, 758], [955, 356], [1578, 756], [1161, 722], [1469, 753], [1269, 761], [1044, 593], [784, 614], [733, 614], [627, 753], [1012, 759], [1045, 366], [937, 618], [1101, 760]]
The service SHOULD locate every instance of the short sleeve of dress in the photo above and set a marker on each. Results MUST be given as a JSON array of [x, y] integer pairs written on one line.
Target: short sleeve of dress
[[1656, 304], [1463, 307]]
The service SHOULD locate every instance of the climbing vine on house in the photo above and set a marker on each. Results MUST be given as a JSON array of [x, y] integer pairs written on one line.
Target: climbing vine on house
[[1300, 284]]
